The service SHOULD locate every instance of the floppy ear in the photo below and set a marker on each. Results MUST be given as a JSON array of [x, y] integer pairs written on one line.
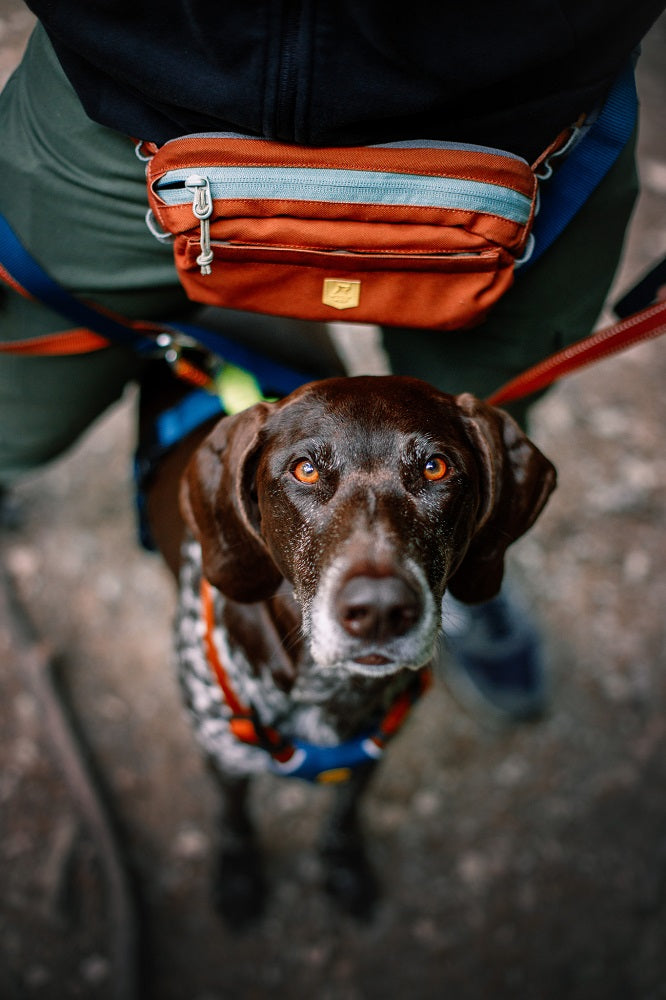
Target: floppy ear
[[217, 503], [516, 481]]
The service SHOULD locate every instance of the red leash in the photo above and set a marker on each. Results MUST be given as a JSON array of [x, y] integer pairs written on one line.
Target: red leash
[[644, 325]]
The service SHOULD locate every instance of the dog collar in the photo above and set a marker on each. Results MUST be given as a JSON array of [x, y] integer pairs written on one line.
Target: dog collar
[[296, 758]]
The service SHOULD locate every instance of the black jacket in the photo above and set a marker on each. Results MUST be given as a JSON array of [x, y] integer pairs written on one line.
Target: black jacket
[[337, 72]]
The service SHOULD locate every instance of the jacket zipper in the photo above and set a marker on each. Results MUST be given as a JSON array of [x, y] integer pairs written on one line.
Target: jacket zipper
[[286, 91]]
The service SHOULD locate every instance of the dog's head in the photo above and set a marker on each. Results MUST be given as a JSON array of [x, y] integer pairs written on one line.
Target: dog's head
[[369, 495]]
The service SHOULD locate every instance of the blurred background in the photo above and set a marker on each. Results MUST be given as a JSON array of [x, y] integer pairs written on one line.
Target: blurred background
[[526, 862]]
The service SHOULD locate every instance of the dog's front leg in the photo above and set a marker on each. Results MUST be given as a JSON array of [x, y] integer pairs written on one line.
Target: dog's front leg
[[349, 878], [239, 887]]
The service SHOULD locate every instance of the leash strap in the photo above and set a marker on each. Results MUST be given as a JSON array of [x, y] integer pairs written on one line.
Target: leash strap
[[57, 344], [29, 277], [95, 328], [645, 325]]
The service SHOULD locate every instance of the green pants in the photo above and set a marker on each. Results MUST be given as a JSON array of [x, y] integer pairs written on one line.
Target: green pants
[[75, 194]]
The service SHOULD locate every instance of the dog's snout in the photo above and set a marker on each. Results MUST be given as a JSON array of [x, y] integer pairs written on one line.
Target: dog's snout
[[377, 608]]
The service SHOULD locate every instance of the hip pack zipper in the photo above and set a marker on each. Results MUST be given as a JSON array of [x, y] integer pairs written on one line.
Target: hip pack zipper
[[331, 185], [202, 207]]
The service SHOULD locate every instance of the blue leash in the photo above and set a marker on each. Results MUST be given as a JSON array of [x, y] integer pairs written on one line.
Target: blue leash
[[274, 378], [31, 276]]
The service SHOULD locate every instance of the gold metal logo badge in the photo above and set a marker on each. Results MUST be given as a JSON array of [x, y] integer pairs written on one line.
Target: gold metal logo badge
[[341, 294]]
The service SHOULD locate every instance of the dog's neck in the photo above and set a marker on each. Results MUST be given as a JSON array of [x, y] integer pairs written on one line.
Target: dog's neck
[[267, 658]]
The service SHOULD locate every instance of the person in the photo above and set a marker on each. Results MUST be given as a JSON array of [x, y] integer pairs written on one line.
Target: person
[[95, 79]]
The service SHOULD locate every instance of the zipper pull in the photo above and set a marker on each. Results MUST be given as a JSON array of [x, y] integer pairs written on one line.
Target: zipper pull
[[202, 206]]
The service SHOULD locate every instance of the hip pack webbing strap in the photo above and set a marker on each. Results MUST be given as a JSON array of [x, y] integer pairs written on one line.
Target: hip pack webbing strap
[[587, 164]]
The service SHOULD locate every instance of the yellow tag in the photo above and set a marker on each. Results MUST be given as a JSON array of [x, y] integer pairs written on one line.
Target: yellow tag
[[334, 775], [340, 293], [237, 389]]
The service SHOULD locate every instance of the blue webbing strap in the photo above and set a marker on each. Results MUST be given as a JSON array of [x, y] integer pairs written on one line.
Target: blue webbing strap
[[587, 164], [273, 377], [32, 277]]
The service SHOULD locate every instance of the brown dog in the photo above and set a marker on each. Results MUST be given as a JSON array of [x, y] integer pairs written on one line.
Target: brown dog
[[329, 525]]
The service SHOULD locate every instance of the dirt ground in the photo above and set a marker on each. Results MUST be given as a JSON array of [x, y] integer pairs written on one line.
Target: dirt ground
[[527, 862]]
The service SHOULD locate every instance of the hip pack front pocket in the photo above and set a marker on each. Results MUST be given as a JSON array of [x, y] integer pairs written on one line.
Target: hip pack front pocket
[[405, 234]]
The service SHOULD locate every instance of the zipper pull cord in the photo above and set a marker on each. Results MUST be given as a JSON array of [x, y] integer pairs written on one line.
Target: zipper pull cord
[[202, 206]]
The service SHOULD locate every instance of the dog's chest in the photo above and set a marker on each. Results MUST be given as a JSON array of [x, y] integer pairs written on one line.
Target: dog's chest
[[323, 709]]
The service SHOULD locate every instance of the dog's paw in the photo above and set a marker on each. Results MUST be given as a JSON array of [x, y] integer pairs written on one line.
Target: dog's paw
[[239, 888], [350, 881]]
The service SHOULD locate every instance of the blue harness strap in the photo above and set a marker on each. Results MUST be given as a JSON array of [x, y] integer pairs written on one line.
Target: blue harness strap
[[168, 429], [336, 763], [328, 764], [295, 758]]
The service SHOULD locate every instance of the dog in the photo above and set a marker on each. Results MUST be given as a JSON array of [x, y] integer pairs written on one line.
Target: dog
[[318, 536]]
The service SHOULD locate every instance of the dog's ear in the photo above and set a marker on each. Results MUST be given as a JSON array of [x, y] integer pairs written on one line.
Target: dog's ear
[[516, 482], [217, 502]]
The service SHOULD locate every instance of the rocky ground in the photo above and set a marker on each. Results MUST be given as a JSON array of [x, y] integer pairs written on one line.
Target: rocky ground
[[526, 862]]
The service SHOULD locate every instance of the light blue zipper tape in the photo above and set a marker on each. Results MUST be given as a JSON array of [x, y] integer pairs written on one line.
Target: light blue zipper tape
[[355, 186]]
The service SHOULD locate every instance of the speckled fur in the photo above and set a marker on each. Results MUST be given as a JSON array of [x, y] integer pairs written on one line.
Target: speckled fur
[[312, 710]]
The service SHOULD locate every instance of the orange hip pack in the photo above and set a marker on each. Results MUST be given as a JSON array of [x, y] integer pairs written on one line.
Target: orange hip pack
[[421, 234]]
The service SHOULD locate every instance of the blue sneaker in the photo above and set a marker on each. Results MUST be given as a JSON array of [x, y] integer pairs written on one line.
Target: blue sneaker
[[495, 659]]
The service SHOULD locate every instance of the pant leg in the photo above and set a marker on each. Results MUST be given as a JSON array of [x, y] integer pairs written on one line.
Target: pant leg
[[74, 192], [552, 304]]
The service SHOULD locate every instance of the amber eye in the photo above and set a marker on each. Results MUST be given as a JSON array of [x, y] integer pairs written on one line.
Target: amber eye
[[435, 468], [306, 471]]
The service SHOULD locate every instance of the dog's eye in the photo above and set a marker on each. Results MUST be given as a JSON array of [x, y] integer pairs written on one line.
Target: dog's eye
[[305, 471], [435, 468]]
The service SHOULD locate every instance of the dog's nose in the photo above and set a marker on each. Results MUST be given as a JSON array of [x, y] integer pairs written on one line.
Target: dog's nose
[[377, 608]]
